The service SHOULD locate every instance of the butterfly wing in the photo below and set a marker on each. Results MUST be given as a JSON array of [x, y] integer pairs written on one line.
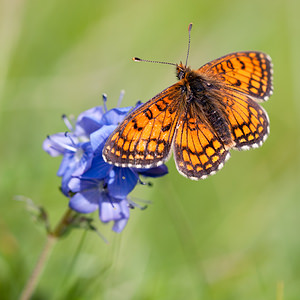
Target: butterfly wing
[[248, 121], [144, 138], [246, 72], [198, 152]]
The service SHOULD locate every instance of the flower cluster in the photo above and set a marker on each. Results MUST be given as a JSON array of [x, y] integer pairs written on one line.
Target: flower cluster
[[87, 179]]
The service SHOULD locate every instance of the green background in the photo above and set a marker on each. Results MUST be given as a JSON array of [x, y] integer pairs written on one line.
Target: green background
[[232, 236]]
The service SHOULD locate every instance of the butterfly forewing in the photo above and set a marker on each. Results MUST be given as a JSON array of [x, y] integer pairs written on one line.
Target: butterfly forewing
[[246, 72], [144, 138]]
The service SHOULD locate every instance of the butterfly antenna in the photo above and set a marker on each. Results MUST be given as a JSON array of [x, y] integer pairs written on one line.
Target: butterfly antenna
[[153, 61], [188, 51]]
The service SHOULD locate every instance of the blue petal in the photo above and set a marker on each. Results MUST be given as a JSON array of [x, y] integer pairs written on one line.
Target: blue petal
[[119, 225], [76, 163], [85, 202], [112, 210], [115, 116], [121, 182], [89, 193], [99, 137], [153, 172], [67, 176], [99, 168], [58, 144], [79, 184], [83, 158], [65, 164], [75, 185], [89, 121]]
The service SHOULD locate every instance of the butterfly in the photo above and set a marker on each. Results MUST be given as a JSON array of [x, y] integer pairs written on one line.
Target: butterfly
[[200, 118]]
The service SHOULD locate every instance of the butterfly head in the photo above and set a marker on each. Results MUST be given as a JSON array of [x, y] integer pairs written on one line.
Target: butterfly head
[[181, 70]]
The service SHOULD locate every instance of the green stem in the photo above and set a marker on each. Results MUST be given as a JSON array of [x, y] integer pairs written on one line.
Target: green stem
[[37, 271], [63, 224], [51, 239]]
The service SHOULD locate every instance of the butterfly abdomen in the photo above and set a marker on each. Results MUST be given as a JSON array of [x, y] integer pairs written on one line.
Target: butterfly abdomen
[[202, 98], [213, 116]]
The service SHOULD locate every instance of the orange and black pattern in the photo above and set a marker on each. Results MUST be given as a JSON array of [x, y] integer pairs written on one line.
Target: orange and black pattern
[[201, 117], [145, 136], [247, 72], [248, 120], [197, 149]]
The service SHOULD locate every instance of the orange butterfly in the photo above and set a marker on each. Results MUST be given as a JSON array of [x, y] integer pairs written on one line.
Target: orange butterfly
[[201, 117]]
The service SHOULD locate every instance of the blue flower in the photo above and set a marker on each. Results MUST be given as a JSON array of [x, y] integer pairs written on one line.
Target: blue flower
[[92, 194], [87, 179], [77, 156]]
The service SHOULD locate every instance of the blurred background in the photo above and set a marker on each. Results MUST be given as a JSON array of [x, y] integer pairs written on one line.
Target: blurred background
[[232, 236]]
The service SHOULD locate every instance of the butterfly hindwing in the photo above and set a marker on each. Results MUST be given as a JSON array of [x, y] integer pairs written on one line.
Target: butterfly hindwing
[[249, 122], [198, 152]]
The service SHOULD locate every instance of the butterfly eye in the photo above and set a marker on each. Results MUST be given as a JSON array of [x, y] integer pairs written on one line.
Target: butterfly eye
[[180, 75], [208, 84]]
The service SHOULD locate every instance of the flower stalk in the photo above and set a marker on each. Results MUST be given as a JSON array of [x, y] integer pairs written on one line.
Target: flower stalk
[[52, 237]]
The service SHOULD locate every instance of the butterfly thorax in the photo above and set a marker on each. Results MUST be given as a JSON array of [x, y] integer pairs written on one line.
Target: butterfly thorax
[[201, 101], [194, 85]]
